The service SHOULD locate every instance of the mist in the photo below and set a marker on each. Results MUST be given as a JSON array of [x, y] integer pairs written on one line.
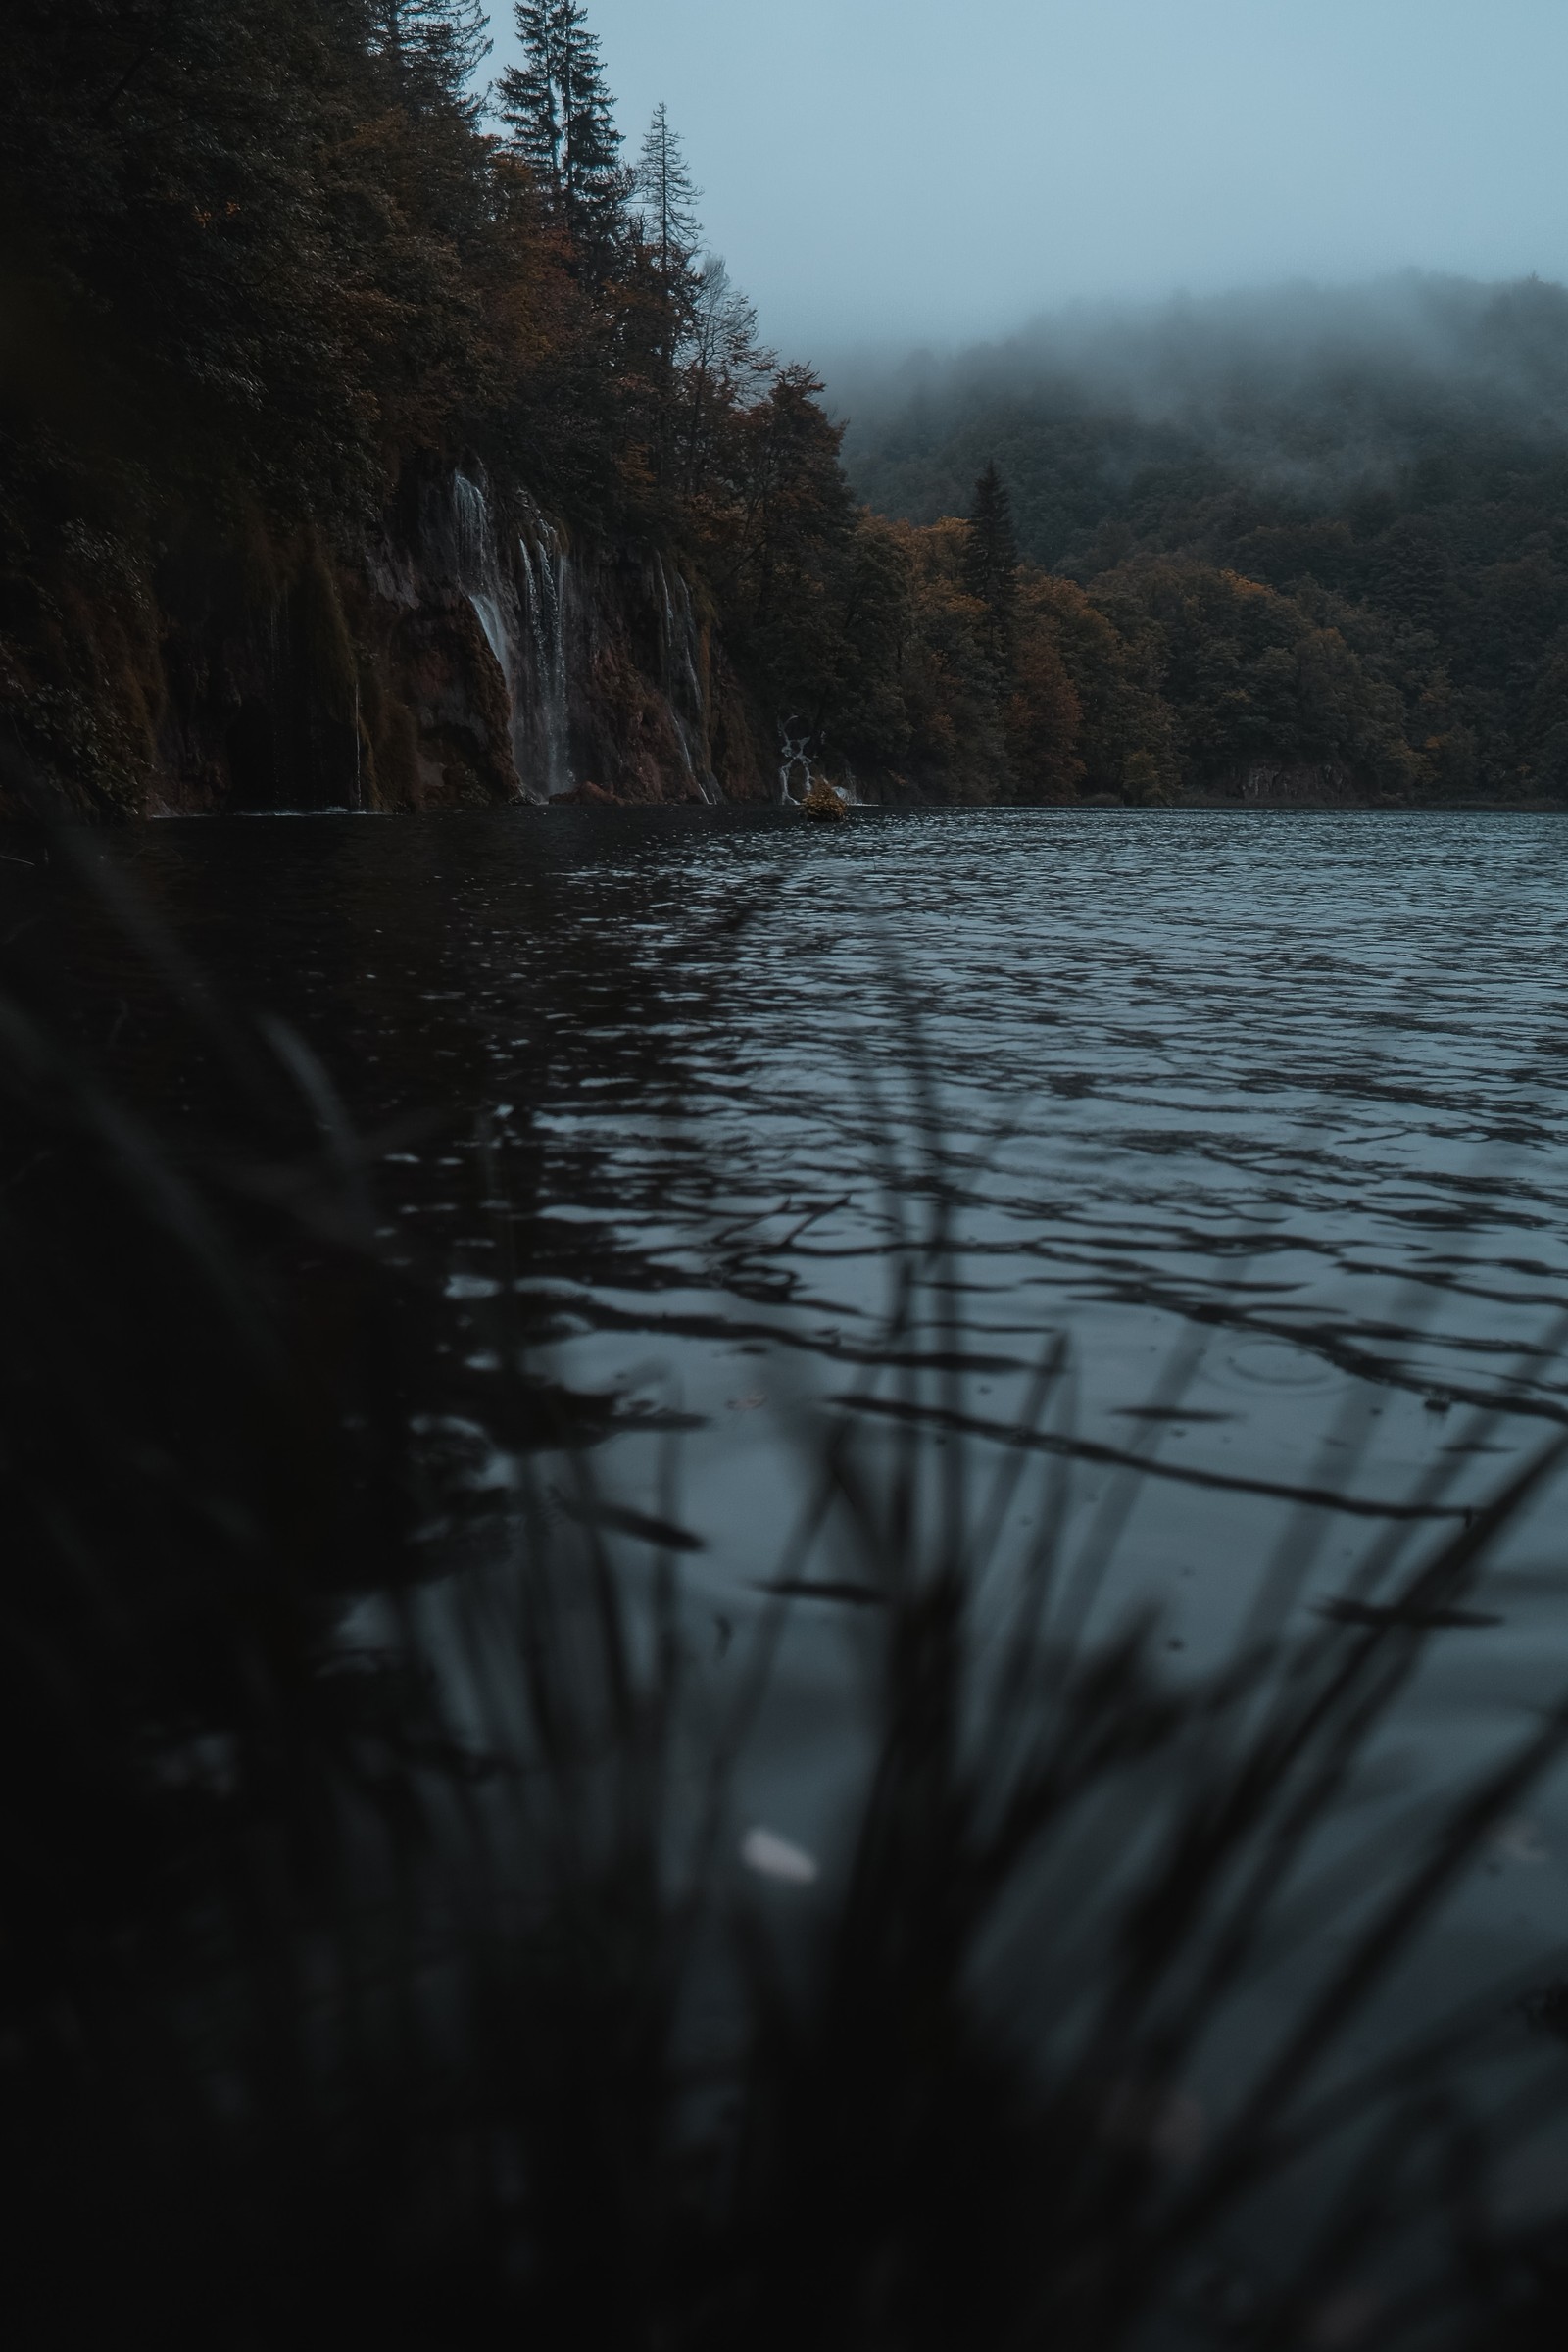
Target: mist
[[1306, 385], [893, 172]]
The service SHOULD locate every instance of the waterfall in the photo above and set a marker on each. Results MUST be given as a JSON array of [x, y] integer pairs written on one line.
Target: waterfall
[[521, 609], [521, 601], [483, 580], [478, 569], [545, 566], [494, 628], [795, 769], [679, 633], [796, 752]]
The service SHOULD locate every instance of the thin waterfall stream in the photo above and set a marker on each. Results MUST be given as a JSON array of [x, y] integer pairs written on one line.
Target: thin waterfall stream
[[545, 573]]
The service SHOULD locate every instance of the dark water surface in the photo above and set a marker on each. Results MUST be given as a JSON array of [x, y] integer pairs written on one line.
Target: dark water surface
[[1295, 1085], [1305, 1074]]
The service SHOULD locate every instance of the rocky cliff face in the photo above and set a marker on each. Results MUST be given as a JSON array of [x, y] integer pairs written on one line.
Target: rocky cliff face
[[473, 652]]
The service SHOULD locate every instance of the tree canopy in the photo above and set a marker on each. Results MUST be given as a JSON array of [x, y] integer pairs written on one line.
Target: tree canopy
[[663, 190], [266, 268], [558, 108], [991, 564], [432, 49], [1388, 474]]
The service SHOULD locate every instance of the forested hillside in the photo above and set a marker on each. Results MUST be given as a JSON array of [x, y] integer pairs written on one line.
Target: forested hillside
[[372, 436], [1291, 545], [363, 445]]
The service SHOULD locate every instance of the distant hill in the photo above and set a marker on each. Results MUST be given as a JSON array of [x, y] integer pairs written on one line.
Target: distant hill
[[1392, 461]]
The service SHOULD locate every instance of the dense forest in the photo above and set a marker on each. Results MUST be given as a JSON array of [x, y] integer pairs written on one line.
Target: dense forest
[[1298, 544], [374, 437], [343, 408]]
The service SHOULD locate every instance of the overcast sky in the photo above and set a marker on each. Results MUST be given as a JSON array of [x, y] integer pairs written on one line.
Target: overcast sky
[[902, 170]]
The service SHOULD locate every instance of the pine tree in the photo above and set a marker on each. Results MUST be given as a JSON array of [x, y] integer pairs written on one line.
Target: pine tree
[[431, 49], [663, 187], [991, 567], [669, 235], [558, 111]]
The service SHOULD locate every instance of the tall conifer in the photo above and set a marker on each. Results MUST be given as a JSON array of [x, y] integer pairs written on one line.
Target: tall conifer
[[431, 49], [558, 110], [990, 567], [663, 190], [671, 233]]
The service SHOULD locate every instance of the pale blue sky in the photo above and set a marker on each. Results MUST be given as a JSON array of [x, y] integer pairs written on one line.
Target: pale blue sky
[[894, 170]]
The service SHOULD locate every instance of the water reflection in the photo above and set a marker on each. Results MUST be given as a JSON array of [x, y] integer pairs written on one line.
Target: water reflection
[[1300, 1078], [1263, 1117], [1297, 1083]]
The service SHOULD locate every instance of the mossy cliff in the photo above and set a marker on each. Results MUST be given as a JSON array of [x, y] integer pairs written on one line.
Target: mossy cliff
[[467, 652], [351, 456]]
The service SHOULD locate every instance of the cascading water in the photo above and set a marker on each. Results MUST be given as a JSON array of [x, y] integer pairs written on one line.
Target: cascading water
[[545, 566], [681, 682], [521, 604], [483, 580], [797, 777], [796, 761]]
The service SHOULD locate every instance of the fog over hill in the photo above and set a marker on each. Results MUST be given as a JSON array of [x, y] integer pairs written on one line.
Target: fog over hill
[[1329, 527], [1305, 392]]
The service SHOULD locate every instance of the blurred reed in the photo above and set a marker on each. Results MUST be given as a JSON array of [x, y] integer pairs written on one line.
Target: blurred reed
[[377, 1963]]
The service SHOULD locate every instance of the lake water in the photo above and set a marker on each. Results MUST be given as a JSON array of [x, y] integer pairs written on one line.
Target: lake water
[[1304, 1077], [1266, 1115]]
